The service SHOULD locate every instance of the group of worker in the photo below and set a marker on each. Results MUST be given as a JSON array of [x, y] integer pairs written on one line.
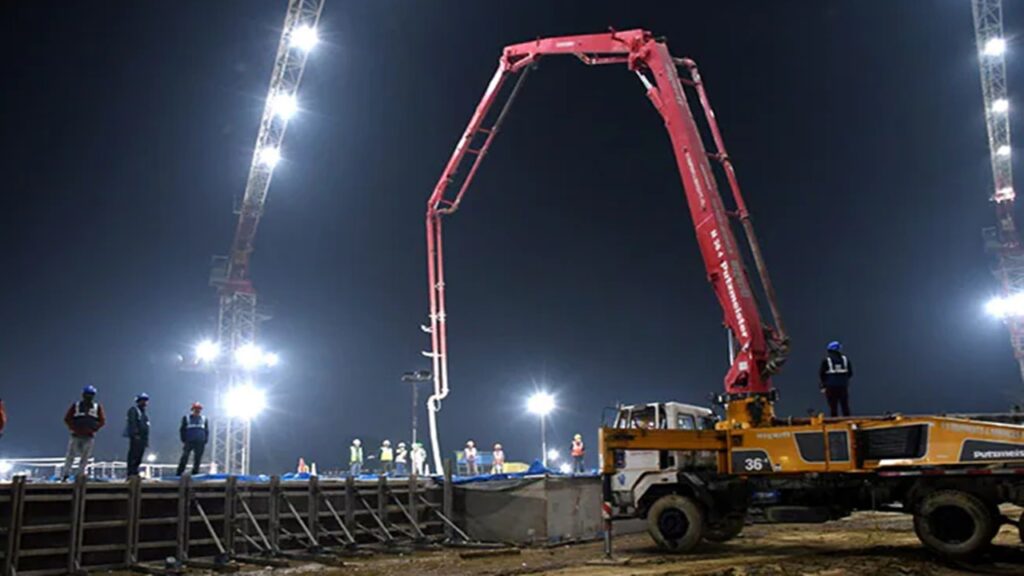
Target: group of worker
[[85, 417], [393, 461]]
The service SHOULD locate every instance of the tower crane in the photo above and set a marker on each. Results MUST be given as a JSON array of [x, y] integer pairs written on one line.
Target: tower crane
[[235, 356], [1003, 240]]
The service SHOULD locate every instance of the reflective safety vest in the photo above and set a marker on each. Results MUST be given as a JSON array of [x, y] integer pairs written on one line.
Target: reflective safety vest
[[401, 455], [836, 370], [195, 428], [386, 454], [355, 453], [577, 448], [86, 415]]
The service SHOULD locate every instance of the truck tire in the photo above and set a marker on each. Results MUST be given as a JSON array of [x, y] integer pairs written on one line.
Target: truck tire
[[676, 523], [954, 523], [724, 531]]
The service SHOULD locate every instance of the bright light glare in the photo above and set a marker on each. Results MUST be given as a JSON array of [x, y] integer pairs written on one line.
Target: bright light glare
[[995, 47], [1001, 105], [541, 403], [1012, 305], [1004, 194], [565, 468], [207, 351], [270, 156], [271, 359], [553, 455], [151, 458], [249, 356], [245, 402], [305, 38], [1003, 150], [284, 105], [6, 466]]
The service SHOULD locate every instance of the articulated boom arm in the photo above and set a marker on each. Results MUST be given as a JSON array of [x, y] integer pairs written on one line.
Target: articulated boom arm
[[760, 349]]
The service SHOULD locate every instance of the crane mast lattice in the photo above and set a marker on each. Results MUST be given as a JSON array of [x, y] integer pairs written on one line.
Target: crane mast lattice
[[238, 317], [1003, 240]]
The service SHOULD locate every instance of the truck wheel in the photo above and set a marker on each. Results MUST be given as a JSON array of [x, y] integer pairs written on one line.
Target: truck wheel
[[676, 523], [724, 531], [954, 523]]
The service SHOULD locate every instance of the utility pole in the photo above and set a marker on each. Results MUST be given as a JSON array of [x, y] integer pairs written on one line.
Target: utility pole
[[415, 378]]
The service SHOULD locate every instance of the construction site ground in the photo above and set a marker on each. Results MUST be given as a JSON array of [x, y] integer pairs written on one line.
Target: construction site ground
[[874, 544]]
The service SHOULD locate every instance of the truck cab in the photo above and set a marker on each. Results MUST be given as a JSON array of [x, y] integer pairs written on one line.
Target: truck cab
[[640, 471]]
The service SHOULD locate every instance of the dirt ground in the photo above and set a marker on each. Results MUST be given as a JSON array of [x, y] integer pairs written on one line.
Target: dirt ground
[[873, 544], [876, 544]]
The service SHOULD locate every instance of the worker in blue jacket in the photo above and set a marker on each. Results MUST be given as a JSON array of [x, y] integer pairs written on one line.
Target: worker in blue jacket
[[194, 432]]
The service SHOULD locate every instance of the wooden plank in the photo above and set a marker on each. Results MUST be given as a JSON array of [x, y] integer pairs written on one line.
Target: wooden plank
[[184, 508], [14, 527], [274, 510], [313, 509], [230, 505], [131, 554], [77, 517], [447, 502]]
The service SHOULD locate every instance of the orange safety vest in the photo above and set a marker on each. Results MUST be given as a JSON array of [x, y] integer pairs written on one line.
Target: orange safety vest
[[577, 448]]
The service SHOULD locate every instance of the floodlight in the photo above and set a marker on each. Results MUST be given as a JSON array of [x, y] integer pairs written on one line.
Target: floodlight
[[1004, 194], [565, 468], [284, 105], [1005, 307], [207, 351], [541, 403], [271, 359], [305, 38], [269, 156], [6, 466], [1003, 150], [553, 454], [249, 356], [995, 47], [151, 458], [1000, 105], [245, 402]]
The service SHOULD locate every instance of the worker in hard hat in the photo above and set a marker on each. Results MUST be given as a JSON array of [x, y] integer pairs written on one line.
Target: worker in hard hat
[[419, 459], [834, 376], [387, 457], [194, 432], [470, 455], [355, 457], [137, 432], [401, 459], [577, 451], [84, 418], [498, 455]]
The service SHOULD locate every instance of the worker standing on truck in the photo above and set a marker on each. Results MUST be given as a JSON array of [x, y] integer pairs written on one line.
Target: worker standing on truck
[[401, 459], [355, 457], [84, 418], [387, 457], [577, 451], [834, 376], [194, 431], [470, 454], [499, 460], [137, 431]]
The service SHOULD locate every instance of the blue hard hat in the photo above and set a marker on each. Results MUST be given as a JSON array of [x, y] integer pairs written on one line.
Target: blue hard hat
[[90, 390], [835, 345], [141, 397]]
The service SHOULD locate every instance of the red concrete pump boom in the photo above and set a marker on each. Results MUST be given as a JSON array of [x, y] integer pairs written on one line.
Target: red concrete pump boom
[[760, 349]]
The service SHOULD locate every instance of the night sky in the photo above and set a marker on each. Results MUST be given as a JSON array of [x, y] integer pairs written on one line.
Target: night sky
[[856, 129]]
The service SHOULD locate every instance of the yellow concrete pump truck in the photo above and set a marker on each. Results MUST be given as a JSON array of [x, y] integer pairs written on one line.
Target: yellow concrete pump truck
[[694, 478]]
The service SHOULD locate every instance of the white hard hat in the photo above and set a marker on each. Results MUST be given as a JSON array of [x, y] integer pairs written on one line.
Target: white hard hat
[[401, 444], [497, 446], [470, 443], [387, 442], [357, 442]]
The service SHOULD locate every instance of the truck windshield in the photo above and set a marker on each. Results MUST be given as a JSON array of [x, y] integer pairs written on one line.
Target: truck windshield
[[646, 417]]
